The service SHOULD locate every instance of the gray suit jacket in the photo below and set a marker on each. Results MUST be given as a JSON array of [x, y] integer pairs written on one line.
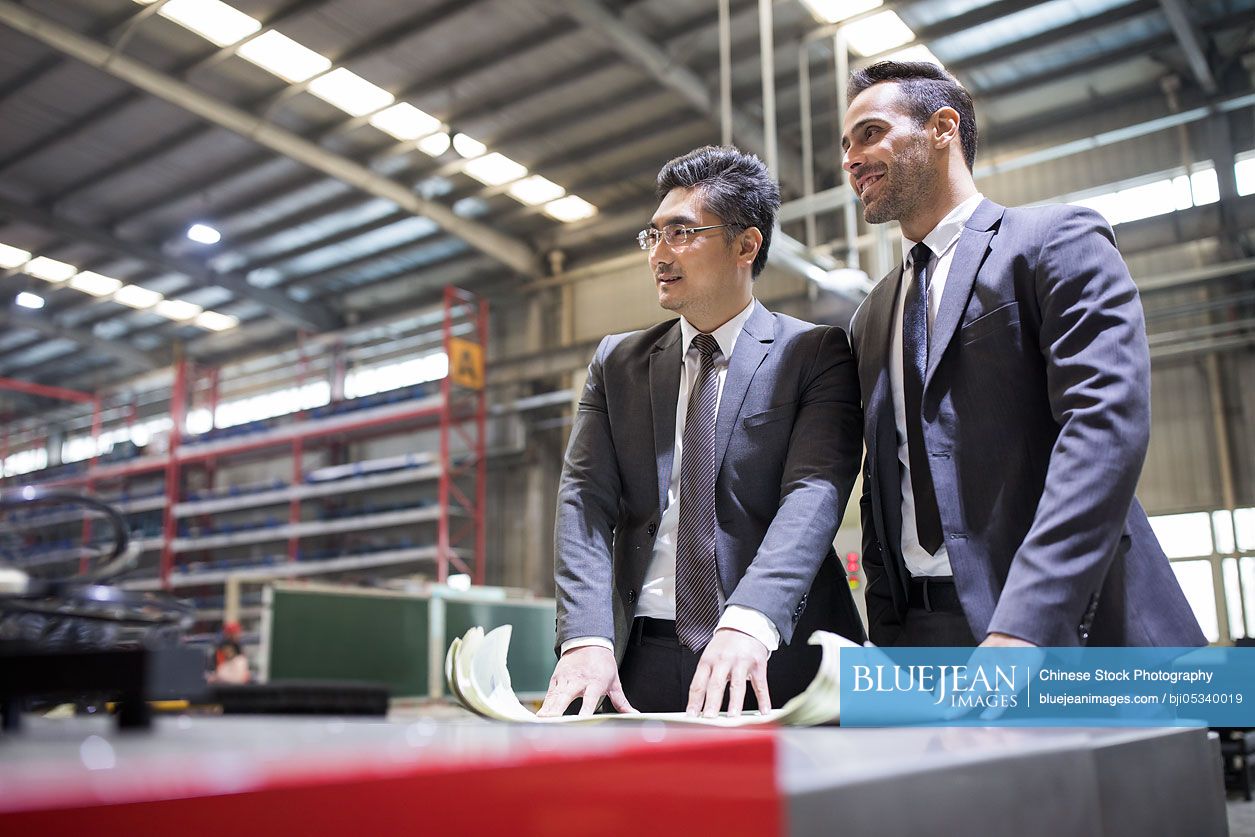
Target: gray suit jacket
[[1036, 419], [788, 436]]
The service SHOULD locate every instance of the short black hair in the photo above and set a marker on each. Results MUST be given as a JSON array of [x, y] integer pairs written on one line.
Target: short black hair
[[734, 186], [927, 89]]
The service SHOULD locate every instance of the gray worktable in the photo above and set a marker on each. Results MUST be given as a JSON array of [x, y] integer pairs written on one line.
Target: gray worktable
[[849, 782]]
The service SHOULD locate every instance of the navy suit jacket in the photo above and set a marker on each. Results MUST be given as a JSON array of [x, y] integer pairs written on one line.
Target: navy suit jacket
[[1036, 419]]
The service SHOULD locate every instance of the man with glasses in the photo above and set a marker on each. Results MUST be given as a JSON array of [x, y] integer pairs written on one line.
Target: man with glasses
[[709, 466]]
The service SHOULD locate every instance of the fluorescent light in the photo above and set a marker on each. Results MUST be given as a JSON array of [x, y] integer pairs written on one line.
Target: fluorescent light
[[405, 122], [494, 169], [203, 234], [177, 309], [467, 146], [214, 321], [878, 33], [284, 57], [833, 11], [29, 300], [50, 270], [919, 52], [211, 19], [12, 256], [434, 145], [94, 284], [536, 190], [570, 208], [350, 92], [136, 297]]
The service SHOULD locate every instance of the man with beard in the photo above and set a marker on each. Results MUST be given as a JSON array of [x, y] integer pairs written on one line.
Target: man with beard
[[1005, 379], [709, 466]]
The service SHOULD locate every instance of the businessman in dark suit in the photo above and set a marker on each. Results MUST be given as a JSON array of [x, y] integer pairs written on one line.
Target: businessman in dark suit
[[710, 462], [1006, 387]]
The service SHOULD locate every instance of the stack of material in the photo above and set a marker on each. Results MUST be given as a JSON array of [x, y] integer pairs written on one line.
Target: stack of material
[[475, 667]]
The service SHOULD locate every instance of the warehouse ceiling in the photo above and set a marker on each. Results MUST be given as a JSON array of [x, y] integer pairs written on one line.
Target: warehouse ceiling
[[354, 156]]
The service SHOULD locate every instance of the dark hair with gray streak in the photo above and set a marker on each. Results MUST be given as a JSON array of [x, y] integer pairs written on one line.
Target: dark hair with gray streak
[[734, 186], [927, 89]]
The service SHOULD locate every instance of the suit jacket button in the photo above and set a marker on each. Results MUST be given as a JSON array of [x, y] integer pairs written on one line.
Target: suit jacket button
[[631, 596], [651, 529]]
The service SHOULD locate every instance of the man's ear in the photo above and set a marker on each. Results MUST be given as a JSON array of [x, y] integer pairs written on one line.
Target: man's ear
[[944, 127], [751, 241]]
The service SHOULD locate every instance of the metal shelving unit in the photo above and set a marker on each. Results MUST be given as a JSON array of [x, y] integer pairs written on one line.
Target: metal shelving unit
[[457, 410]]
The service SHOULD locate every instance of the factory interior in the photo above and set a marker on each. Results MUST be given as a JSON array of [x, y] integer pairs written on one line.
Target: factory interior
[[299, 300]]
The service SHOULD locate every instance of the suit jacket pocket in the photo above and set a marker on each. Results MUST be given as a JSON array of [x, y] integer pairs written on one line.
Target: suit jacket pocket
[[1004, 316], [767, 416]]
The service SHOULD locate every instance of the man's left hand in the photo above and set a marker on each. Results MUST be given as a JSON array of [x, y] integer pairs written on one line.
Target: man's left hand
[[1006, 641], [728, 662]]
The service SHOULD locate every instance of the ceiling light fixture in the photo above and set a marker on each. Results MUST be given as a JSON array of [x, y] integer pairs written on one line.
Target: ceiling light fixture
[[571, 208], [284, 57], [467, 146], [211, 19], [350, 92], [834, 11], [203, 234], [494, 169], [134, 296], [11, 257], [93, 283], [434, 145], [405, 122], [177, 309], [214, 321], [50, 270], [536, 190], [30, 300], [878, 33]]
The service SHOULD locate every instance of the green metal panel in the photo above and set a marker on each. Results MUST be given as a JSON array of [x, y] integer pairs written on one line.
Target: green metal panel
[[350, 636], [531, 660]]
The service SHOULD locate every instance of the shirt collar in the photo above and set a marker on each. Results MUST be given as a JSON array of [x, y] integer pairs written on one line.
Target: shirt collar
[[725, 335], [947, 232]]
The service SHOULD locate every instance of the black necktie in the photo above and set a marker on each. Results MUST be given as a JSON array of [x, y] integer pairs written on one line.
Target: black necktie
[[696, 576], [914, 364]]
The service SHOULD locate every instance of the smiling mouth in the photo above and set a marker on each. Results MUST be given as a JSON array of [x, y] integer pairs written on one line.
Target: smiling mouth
[[667, 278], [864, 184]]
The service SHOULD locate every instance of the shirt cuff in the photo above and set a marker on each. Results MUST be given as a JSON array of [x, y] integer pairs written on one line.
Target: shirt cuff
[[581, 641], [752, 622]]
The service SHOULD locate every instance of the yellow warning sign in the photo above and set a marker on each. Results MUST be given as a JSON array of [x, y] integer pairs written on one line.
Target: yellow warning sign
[[466, 363]]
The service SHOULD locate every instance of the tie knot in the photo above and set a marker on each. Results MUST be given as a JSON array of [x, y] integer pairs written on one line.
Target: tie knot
[[920, 255], [706, 344]]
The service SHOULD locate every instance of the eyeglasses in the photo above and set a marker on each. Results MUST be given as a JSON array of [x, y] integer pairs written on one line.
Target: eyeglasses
[[673, 234]]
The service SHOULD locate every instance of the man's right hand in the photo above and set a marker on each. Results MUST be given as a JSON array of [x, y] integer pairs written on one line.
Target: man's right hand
[[589, 672]]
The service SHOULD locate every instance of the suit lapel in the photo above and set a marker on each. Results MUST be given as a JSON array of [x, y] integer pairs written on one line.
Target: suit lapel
[[882, 440], [752, 346], [969, 254], [664, 391]]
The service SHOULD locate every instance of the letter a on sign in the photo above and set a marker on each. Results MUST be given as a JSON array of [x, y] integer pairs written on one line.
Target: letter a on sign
[[466, 363]]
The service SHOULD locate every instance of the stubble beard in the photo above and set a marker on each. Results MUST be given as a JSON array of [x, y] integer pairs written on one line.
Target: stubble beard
[[906, 186]]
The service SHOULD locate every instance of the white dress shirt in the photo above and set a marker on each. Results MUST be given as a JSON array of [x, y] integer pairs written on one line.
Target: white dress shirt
[[657, 596], [941, 241]]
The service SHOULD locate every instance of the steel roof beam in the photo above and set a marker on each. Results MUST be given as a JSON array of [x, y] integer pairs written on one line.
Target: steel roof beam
[[513, 253], [668, 71], [301, 315], [111, 348], [1191, 43]]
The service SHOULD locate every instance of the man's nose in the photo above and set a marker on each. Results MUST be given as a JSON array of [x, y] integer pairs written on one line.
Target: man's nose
[[850, 161]]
